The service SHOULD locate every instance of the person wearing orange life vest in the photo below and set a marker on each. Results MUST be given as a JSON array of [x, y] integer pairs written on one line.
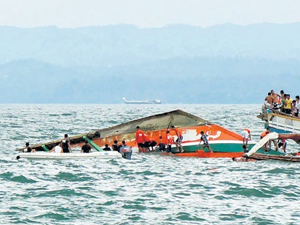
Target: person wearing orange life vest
[[146, 145], [265, 133], [139, 137], [246, 134], [179, 138]]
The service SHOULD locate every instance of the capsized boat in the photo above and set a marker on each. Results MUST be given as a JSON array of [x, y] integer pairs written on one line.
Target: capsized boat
[[271, 154], [62, 156], [223, 142]]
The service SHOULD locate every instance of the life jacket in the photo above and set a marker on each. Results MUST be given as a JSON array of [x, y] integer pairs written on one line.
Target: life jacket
[[146, 138], [125, 149], [177, 132], [264, 133], [139, 136]]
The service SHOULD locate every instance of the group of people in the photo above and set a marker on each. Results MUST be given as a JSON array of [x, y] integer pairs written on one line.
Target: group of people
[[282, 103], [246, 135], [63, 147], [145, 144], [280, 143]]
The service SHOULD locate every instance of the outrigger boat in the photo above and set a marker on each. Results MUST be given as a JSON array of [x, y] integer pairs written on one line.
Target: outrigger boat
[[223, 142]]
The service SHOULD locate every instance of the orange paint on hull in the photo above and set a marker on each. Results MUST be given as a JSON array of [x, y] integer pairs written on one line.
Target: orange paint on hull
[[216, 132]]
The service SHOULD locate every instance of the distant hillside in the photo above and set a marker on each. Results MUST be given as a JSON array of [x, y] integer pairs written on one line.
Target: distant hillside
[[124, 44], [196, 80]]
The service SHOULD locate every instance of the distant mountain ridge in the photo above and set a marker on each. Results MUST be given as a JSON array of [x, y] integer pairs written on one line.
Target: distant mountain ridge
[[177, 64], [124, 44]]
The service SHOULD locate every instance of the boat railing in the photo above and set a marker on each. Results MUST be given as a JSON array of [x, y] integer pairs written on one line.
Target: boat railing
[[290, 128]]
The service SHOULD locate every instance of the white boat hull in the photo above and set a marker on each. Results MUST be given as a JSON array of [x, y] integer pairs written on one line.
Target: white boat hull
[[62, 156]]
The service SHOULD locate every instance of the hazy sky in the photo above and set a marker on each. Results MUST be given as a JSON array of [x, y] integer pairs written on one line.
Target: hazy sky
[[145, 13]]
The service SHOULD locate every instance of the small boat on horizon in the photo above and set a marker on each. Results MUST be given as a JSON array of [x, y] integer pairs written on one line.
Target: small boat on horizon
[[156, 101]]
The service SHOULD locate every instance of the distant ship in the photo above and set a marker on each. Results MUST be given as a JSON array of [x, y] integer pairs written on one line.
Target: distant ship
[[156, 101]]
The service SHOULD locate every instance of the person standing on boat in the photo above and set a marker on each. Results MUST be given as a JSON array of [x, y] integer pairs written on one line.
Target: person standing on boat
[[169, 141], [147, 142], [65, 143], [205, 141], [268, 144], [179, 139], [86, 148], [288, 104], [297, 105], [246, 135], [139, 137], [269, 101], [275, 100], [161, 144]]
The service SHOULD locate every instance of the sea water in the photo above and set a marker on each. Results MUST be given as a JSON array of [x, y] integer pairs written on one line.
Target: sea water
[[149, 189]]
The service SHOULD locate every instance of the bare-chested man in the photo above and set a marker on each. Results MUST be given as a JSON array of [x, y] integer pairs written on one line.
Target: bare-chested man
[[275, 97], [269, 101]]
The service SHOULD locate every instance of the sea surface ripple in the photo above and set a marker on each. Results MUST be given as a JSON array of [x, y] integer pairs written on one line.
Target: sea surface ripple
[[149, 189]]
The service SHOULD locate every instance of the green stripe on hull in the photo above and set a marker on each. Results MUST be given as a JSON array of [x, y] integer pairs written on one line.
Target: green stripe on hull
[[226, 148], [217, 147]]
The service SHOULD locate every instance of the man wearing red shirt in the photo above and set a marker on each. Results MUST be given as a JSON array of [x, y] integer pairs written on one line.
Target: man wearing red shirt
[[142, 140]]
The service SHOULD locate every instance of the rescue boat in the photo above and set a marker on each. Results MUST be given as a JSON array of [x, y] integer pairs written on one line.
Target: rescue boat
[[61, 156]]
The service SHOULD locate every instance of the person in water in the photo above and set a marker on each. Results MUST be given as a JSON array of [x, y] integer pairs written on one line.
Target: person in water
[[243, 159], [205, 141], [125, 150], [65, 144], [161, 144], [86, 148], [107, 148], [27, 148], [115, 146], [282, 143]]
